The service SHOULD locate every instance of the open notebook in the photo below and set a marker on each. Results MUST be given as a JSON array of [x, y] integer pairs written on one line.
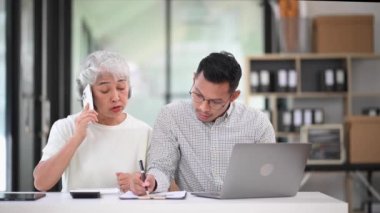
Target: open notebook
[[154, 196]]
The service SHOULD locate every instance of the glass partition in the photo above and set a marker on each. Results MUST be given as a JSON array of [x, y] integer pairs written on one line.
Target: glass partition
[[138, 30], [3, 153], [202, 27]]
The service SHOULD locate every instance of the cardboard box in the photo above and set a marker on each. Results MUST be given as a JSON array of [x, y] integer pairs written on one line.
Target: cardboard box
[[348, 34], [364, 139]]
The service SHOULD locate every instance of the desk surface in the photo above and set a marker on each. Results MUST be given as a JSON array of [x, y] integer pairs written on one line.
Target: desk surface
[[62, 202]]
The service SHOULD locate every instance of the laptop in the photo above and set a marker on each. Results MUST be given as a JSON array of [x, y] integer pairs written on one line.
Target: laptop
[[262, 171]]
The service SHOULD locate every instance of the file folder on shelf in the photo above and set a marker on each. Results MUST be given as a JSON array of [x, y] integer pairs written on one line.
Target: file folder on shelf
[[328, 81], [308, 117], [285, 121], [254, 80], [340, 80], [297, 119], [281, 80], [265, 80], [318, 116], [292, 80]]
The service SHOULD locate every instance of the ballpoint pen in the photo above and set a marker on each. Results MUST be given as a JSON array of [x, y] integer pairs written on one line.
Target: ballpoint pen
[[143, 176]]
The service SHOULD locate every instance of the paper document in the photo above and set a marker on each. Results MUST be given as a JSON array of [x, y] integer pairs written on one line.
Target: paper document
[[154, 196]]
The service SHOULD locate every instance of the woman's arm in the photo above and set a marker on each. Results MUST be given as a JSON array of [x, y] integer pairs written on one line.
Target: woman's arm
[[48, 172]]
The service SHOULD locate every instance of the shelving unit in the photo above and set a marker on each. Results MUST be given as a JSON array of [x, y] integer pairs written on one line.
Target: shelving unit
[[365, 86], [362, 89]]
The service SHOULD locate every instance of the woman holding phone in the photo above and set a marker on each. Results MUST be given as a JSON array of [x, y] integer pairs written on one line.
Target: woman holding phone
[[98, 147]]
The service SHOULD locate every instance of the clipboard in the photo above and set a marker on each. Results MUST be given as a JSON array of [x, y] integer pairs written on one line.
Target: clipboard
[[176, 195]]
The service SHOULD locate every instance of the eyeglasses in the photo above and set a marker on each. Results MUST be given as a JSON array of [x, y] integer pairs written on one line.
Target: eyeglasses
[[214, 104]]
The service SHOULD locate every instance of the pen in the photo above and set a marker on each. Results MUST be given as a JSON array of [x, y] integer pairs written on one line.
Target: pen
[[142, 170]]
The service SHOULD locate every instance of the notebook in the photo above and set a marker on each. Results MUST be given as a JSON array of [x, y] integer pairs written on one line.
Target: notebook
[[263, 170], [177, 195]]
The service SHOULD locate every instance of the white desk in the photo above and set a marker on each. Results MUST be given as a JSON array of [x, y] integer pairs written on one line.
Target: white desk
[[308, 202]]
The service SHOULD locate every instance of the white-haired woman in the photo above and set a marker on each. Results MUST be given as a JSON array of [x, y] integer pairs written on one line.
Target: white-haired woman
[[96, 148]]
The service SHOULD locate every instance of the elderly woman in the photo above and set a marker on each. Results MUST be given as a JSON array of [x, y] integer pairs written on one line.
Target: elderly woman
[[96, 148]]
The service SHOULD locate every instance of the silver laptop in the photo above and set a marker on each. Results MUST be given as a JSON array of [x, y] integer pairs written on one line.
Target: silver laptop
[[263, 170]]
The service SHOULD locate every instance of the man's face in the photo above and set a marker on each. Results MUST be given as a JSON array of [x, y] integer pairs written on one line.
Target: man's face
[[210, 100]]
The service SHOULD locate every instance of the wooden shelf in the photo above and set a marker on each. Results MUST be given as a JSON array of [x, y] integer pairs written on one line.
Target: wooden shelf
[[362, 75], [287, 134], [317, 56], [303, 94], [365, 94]]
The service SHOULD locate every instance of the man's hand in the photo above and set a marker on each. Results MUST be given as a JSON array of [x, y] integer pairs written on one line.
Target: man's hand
[[138, 187]]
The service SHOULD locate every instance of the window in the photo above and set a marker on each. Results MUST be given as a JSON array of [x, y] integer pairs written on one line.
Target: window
[[202, 27], [137, 29]]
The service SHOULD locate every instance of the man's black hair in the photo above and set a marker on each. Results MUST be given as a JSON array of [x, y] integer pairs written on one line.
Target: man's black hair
[[219, 68]]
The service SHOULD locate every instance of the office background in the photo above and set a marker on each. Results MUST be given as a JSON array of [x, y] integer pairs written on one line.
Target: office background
[[42, 43]]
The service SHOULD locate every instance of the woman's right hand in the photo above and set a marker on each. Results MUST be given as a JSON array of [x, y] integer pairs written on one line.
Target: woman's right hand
[[85, 117], [48, 172]]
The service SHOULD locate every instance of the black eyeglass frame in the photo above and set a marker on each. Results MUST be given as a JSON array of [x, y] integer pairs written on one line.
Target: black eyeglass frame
[[209, 101]]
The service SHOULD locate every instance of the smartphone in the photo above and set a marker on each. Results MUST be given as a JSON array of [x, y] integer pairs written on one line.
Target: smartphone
[[87, 97]]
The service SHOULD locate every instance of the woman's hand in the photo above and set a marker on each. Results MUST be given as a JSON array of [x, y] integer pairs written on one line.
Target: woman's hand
[[86, 116], [123, 180]]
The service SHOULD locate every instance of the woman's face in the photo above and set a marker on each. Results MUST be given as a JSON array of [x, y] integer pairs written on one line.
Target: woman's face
[[110, 98]]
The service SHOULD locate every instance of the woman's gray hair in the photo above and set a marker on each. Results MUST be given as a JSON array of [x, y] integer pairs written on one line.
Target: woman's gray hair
[[101, 62]]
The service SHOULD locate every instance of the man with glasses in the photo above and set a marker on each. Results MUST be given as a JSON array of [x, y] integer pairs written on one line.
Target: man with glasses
[[192, 140]]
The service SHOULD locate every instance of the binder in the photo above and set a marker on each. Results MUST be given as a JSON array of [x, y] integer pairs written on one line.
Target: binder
[[318, 116], [307, 117], [285, 121], [254, 80], [297, 119], [281, 80], [340, 80], [264, 81], [371, 111], [328, 80], [292, 80]]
